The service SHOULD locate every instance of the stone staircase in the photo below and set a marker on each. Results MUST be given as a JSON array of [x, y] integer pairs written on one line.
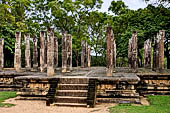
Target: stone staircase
[[70, 92]]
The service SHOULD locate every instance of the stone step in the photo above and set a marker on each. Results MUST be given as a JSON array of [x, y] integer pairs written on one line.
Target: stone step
[[30, 98], [73, 81], [10, 86], [70, 99], [119, 100], [74, 93], [70, 104], [73, 86]]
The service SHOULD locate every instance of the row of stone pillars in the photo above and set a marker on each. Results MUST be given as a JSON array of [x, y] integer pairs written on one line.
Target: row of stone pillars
[[158, 53], [48, 53]]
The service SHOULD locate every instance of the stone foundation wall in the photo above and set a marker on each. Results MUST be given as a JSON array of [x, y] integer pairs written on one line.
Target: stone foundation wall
[[7, 82], [117, 92], [158, 84], [120, 89], [35, 87]]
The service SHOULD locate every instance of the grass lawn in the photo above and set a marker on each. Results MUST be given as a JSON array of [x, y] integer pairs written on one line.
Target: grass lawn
[[6, 95], [159, 104]]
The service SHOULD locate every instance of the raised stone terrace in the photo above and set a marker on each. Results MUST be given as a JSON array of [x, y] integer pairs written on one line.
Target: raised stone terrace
[[86, 86]]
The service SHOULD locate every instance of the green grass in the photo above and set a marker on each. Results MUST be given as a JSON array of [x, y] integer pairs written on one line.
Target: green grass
[[6, 95], [159, 104]]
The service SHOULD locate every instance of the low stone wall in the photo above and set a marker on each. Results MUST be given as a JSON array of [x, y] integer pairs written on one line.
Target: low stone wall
[[154, 83], [7, 81], [118, 90], [122, 88], [35, 87]]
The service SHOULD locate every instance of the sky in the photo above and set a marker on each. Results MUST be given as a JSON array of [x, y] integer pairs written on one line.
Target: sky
[[132, 4]]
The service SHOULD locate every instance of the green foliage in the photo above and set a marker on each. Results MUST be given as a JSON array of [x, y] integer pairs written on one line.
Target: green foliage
[[118, 7], [159, 104], [4, 96]]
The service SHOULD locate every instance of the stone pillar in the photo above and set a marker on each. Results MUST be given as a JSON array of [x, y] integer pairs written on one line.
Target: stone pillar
[[35, 53], [89, 57], [155, 53], [17, 57], [148, 54], [158, 54], [64, 54], [133, 52], [50, 52], [42, 51], [109, 52], [1, 53], [27, 52], [45, 56], [161, 49], [83, 54], [69, 52], [114, 52], [130, 52], [55, 52]]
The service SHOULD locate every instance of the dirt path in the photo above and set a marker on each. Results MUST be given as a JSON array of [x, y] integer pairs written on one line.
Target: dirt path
[[40, 107]]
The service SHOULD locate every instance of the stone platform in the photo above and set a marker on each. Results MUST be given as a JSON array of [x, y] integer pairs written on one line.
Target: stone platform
[[86, 86]]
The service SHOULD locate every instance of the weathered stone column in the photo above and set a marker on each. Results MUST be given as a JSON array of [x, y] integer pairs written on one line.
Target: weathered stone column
[[69, 52], [45, 54], [55, 52], [64, 54], [133, 52], [35, 54], [27, 52], [114, 53], [158, 54], [161, 49], [130, 52], [17, 57], [1, 53], [89, 56], [42, 51], [109, 52], [148, 54], [155, 53], [83, 54], [50, 52]]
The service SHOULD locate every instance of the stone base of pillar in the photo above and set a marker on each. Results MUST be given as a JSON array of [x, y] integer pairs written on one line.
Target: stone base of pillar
[[35, 67], [17, 69], [50, 71], [43, 69], [64, 70], [108, 72]]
